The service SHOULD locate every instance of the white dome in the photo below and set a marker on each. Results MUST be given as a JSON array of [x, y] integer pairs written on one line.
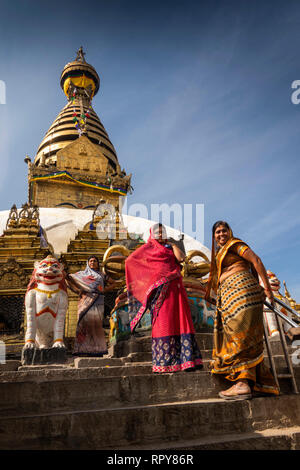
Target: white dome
[[62, 225]]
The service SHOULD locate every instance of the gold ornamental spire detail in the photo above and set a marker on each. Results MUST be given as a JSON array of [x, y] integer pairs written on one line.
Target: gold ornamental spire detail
[[80, 55]]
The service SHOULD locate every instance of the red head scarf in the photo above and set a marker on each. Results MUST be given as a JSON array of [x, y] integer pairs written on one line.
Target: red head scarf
[[149, 266]]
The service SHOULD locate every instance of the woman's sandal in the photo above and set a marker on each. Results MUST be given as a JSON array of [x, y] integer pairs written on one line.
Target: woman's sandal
[[234, 395]]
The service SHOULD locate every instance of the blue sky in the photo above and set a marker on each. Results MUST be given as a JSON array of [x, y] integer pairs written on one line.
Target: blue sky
[[195, 96]]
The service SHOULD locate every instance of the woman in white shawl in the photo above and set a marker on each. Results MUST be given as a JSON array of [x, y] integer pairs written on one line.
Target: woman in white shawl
[[89, 284]]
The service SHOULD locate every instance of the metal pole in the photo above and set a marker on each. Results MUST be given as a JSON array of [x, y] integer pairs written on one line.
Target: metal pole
[[286, 354], [280, 302], [270, 355], [280, 314]]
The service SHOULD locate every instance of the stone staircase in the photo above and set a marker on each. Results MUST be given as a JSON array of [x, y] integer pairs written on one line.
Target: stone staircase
[[118, 403]]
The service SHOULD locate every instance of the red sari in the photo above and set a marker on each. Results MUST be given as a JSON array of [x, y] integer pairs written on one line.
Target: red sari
[[154, 283]]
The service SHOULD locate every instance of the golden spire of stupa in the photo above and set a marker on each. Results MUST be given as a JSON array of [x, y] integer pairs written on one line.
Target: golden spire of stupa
[[76, 163], [80, 83]]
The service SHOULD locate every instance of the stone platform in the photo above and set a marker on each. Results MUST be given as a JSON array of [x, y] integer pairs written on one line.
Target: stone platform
[[34, 356], [118, 403]]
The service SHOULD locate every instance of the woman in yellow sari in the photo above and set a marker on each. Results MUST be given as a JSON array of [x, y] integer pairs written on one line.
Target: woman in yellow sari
[[238, 352]]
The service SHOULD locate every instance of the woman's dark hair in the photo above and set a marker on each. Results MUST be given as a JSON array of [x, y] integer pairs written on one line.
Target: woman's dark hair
[[159, 226], [214, 249], [218, 223]]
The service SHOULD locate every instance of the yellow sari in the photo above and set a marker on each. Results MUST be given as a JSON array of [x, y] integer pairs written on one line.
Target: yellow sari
[[238, 326]]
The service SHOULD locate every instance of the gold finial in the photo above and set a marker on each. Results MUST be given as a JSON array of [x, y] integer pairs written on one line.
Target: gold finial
[[80, 55], [13, 218], [288, 296], [286, 292], [27, 159]]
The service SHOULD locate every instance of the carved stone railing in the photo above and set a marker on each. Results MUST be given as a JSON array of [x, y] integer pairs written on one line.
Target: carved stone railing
[[26, 219]]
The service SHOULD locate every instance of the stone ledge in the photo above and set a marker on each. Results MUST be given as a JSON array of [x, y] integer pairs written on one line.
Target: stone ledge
[[34, 356], [268, 439], [43, 367], [10, 365], [137, 425], [40, 390], [82, 362]]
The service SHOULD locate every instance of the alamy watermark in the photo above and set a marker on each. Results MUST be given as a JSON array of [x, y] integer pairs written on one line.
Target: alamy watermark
[[296, 354], [2, 352], [2, 92], [185, 218]]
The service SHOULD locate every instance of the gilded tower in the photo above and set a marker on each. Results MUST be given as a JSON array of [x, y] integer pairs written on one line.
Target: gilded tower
[[76, 164]]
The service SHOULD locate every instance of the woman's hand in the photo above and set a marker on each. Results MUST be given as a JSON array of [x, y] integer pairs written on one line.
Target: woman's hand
[[111, 284], [269, 295], [210, 300], [71, 285], [179, 255]]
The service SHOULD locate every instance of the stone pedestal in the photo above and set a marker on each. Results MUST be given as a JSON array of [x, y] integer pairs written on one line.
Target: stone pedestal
[[44, 356]]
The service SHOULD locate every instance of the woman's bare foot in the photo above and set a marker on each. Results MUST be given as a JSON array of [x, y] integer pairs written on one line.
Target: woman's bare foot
[[239, 391]]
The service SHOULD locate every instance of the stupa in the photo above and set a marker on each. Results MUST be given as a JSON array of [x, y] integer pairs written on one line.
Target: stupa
[[76, 164]]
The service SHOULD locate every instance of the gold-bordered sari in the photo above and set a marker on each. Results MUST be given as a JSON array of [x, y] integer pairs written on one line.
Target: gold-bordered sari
[[238, 351]]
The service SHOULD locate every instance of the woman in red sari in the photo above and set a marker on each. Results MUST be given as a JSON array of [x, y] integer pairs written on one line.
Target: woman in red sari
[[154, 282]]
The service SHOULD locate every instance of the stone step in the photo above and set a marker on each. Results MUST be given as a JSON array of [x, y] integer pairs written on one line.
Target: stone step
[[267, 439], [133, 358], [122, 426], [66, 389], [140, 363], [143, 344], [10, 365], [145, 359], [113, 366], [206, 354], [141, 356], [276, 348], [109, 362], [137, 344], [38, 402], [90, 387]]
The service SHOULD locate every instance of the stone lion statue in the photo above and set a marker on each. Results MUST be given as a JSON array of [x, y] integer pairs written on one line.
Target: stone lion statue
[[46, 303]]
